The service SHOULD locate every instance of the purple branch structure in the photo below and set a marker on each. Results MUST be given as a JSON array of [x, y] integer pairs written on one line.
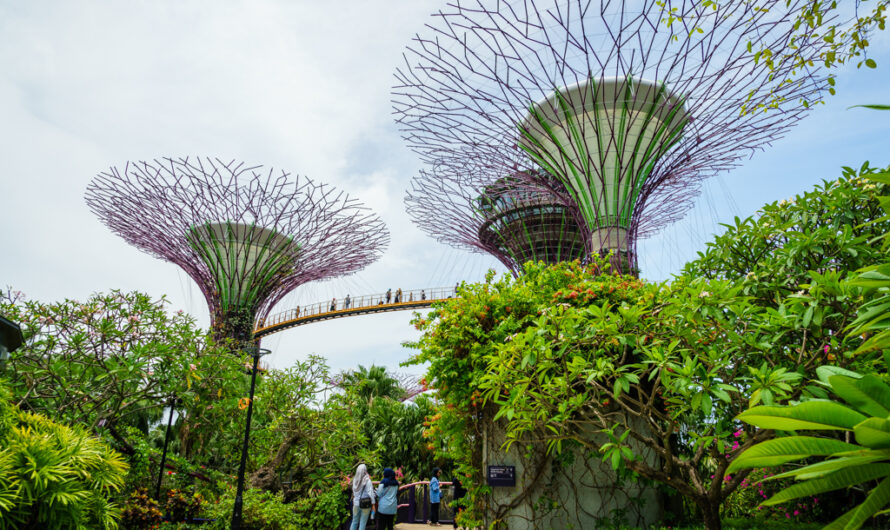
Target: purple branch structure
[[508, 218], [602, 118], [247, 235]]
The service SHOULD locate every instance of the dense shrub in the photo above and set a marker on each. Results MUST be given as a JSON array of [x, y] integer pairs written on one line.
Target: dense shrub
[[141, 511], [53, 476], [262, 510]]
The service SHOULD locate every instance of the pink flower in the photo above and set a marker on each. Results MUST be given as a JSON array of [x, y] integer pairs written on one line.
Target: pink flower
[[737, 433], [826, 348], [796, 512], [735, 445], [193, 367]]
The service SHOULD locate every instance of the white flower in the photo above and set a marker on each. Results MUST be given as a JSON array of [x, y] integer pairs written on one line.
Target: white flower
[[704, 294]]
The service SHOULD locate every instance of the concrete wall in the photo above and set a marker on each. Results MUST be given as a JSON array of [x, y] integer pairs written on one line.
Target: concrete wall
[[573, 491]]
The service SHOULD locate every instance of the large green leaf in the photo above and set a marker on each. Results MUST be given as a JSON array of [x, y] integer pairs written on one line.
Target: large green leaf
[[873, 433], [842, 478], [824, 372], [876, 500], [806, 415], [876, 106], [782, 450], [868, 394], [826, 467]]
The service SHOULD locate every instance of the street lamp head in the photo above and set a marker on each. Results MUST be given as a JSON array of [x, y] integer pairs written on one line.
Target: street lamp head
[[10, 339]]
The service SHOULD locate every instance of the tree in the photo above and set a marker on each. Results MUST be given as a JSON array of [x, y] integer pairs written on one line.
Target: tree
[[563, 355], [844, 33], [369, 383], [111, 361], [302, 438]]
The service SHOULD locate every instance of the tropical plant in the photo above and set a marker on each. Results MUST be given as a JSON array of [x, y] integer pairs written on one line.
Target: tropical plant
[[141, 511], [395, 431], [865, 415], [843, 31], [370, 383], [53, 476], [303, 441], [261, 509]]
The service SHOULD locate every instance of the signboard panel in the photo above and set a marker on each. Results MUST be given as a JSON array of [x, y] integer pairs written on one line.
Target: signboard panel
[[504, 476]]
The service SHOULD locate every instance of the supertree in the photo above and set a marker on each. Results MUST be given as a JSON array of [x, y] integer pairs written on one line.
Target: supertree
[[247, 235], [622, 106], [506, 218]]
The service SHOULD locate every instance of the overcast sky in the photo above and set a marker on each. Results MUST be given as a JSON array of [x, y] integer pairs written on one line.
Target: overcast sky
[[303, 86]]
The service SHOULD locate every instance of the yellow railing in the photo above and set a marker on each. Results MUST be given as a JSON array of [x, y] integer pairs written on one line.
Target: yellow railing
[[349, 306]]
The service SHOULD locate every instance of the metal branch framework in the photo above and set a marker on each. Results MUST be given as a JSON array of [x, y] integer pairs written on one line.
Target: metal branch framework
[[247, 235], [508, 218], [619, 108]]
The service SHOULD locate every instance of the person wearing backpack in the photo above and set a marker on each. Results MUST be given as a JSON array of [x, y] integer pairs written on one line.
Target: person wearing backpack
[[362, 498], [387, 500]]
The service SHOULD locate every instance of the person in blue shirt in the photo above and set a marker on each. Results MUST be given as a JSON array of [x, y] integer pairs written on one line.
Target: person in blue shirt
[[435, 497], [387, 500]]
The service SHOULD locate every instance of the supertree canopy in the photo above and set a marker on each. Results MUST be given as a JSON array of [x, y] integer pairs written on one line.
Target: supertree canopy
[[247, 235], [507, 218], [622, 106]]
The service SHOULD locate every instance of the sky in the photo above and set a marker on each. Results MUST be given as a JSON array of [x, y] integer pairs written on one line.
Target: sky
[[303, 86]]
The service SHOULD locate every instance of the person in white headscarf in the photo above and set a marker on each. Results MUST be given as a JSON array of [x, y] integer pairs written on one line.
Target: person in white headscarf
[[363, 499]]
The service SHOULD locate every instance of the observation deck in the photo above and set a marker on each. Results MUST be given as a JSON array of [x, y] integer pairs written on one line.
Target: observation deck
[[528, 225]]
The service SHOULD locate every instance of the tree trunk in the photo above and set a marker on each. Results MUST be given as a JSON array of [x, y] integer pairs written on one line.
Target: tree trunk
[[710, 514], [266, 477]]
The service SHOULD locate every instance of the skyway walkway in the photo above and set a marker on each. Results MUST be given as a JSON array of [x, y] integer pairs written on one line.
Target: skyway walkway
[[361, 305]]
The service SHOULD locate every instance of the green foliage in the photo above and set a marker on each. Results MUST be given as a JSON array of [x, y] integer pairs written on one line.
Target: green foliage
[[304, 444], [393, 429], [141, 511], [843, 38], [321, 512], [112, 360], [848, 464], [566, 356], [369, 383], [565, 353], [56, 477], [183, 505], [262, 510], [793, 260]]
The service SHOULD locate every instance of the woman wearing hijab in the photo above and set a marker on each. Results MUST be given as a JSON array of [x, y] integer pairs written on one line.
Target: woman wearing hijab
[[362, 498], [387, 500], [435, 497]]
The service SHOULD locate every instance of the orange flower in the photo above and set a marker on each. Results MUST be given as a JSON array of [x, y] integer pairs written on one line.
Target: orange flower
[[243, 403]]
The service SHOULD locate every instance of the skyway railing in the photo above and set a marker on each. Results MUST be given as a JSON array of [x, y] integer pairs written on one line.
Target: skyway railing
[[394, 300]]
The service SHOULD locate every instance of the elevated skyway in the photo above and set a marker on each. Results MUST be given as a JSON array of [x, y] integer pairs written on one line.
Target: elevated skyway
[[360, 305]]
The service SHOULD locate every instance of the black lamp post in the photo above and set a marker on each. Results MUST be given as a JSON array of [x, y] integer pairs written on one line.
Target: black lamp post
[[239, 501], [164, 453], [10, 339]]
